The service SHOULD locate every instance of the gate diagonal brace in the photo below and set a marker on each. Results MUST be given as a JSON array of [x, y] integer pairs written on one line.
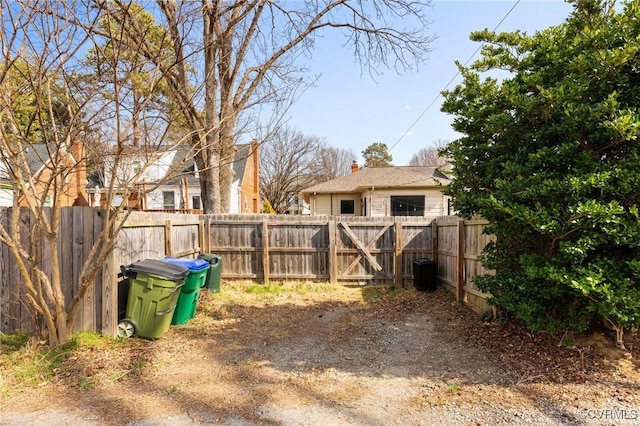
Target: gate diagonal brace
[[364, 250]]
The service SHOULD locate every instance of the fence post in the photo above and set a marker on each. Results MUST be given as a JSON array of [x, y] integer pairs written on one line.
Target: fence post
[[201, 237], [333, 252], [434, 240], [167, 238], [207, 235], [265, 252], [398, 266], [460, 264]]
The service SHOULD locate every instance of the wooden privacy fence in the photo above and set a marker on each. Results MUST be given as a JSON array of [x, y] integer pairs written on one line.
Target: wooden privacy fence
[[145, 235], [81, 227], [458, 246], [340, 249]]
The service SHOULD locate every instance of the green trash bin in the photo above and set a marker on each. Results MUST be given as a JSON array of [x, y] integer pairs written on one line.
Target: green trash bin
[[190, 293], [154, 288], [213, 277]]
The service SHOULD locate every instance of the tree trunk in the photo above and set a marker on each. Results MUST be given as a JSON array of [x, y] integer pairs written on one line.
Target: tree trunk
[[210, 189], [227, 157], [209, 175], [136, 131], [63, 332], [227, 115]]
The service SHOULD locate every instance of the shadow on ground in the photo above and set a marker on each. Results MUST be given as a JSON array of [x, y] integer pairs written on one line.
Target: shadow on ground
[[398, 356]]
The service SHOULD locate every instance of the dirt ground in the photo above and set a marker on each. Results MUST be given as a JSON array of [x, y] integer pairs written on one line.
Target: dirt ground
[[315, 354]]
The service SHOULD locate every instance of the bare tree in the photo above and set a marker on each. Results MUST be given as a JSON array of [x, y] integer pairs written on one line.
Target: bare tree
[[233, 60], [287, 165], [333, 162], [52, 113], [430, 156]]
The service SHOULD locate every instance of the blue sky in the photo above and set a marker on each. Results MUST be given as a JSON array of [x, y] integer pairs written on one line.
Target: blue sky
[[351, 111]]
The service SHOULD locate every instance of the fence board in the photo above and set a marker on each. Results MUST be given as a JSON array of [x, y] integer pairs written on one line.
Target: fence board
[[447, 237], [185, 239], [6, 297], [24, 315], [416, 244], [475, 241], [80, 229], [96, 217], [298, 249]]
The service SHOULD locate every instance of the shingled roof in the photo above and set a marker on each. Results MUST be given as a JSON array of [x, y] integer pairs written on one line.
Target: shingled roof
[[240, 161], [184, 165], [382, 177], [37, 155]]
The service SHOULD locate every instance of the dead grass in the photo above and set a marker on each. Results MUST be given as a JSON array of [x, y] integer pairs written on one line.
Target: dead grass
[[296, 343]]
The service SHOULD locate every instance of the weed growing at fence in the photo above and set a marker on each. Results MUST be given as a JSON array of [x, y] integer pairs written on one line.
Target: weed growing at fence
[[12, 342], [294, 287], [265, 289], [25, 361], [373, 293], [31, 363], [234, 293]]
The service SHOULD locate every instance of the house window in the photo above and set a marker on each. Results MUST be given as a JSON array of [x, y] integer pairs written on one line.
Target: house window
[[195, 202], [411, 205], [169, 200], [347, 206], [363, 206]]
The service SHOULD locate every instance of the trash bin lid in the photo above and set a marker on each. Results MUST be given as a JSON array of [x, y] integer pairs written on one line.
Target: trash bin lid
[[423, 261], [193, 265], [211, 258], [160, 268]]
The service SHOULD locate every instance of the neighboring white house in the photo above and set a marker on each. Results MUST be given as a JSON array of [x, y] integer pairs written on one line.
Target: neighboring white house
[[299, 206], [6, 190], [382, 191], [168, 180], [180, 188]]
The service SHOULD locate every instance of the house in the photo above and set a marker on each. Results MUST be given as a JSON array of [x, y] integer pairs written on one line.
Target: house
[[6, 193], [169, 180], [6, 188], [382, 191], [41, 167], [299, 207], [131, 161], [245, 189], [179, 183]]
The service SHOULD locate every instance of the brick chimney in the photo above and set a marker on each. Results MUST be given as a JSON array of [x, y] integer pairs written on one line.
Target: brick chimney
[[354, 166], [79, 153]]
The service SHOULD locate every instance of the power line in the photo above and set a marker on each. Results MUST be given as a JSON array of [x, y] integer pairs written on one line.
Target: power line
[[451, 81]]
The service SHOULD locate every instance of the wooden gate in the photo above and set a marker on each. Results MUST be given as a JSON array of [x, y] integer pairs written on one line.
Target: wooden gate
[[365, 251]]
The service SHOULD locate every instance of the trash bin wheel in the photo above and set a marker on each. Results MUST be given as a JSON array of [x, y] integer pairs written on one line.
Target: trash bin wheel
[[126, 328]]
